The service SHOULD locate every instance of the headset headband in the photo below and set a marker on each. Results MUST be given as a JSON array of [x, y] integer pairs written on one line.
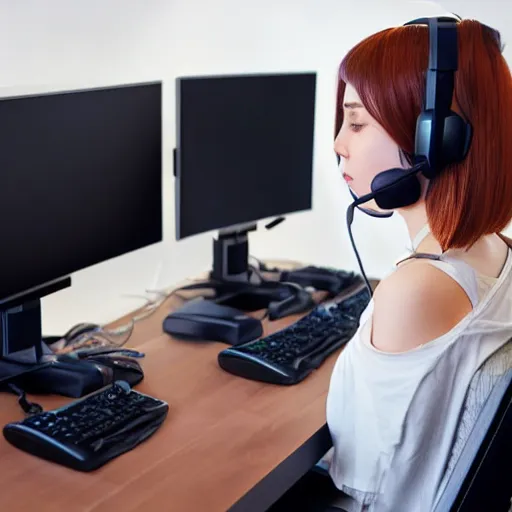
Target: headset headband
[[440, 84]]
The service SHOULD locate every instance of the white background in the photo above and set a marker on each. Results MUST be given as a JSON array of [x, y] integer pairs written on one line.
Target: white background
[[58, 44]]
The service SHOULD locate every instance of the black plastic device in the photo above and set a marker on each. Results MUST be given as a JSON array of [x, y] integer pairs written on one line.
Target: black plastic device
[[320, 278], [290, 355], [88, 433], [81, 183], [68, 376], [220, 120], [204, 320], [301, 300]]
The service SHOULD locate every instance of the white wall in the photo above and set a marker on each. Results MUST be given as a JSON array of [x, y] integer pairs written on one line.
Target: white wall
[[58, 44]]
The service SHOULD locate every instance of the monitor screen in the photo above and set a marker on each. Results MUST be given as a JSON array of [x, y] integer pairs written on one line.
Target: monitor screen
[[244, 149], [81, 180]]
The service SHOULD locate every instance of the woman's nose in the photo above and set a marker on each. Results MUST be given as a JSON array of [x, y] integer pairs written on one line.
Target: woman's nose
[[340, 147]]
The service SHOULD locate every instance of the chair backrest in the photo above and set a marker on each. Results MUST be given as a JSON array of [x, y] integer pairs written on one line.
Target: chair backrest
[[481, 478]]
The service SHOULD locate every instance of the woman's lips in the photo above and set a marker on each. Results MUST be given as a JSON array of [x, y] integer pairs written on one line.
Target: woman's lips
[[347, 177]]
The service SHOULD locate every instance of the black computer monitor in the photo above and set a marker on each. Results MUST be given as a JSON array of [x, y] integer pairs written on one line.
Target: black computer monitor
[[81, 182], [244, 153]]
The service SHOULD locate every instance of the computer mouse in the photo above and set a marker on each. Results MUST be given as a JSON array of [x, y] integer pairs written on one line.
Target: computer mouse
[[121, 367]]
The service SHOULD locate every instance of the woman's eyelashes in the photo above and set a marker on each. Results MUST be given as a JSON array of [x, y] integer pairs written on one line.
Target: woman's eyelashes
[[356, 127]]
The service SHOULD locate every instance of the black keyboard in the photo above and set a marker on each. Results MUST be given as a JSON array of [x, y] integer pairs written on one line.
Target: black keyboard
[[290, 355], [89, 432]]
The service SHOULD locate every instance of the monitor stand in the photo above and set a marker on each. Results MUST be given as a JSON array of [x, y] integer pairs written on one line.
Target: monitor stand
[[233, 281], [26, 359]]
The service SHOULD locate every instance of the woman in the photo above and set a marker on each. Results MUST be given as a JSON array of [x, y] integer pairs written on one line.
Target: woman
[[399, 387]]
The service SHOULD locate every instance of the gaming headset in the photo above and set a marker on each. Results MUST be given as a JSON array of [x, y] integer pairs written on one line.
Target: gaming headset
[[442, 136]]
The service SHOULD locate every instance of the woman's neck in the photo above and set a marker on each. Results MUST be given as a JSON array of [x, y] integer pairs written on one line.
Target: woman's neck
[[415, 218]]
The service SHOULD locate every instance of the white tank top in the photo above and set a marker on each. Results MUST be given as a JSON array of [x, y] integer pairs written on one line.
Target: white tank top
[[393, 417]]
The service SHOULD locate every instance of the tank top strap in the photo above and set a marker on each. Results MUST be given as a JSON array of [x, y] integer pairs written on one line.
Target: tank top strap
[[457, 269], [420, 256], [506, 239]]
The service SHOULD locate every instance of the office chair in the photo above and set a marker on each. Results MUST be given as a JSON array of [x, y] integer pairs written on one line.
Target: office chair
[[482, 477]]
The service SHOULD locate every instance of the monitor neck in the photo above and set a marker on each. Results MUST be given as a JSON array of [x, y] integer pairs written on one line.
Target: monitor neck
[[20, 323], [231, 255]]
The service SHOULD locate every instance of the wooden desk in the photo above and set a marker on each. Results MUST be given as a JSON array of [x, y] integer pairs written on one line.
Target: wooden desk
[[227, 444]]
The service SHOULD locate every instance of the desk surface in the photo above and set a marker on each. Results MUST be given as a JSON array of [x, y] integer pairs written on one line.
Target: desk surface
[[223, 435]]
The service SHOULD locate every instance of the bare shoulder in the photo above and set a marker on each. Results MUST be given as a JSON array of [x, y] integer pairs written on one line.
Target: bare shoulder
[[414, 305]]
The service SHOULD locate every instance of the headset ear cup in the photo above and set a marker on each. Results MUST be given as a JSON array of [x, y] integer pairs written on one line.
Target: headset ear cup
[[469, 137], [389, 196], [456, 139]]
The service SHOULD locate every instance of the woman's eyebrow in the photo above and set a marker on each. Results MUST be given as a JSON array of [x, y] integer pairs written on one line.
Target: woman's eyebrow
[[352, 105]]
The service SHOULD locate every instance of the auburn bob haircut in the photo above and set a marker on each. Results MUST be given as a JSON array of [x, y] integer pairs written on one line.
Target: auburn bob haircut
[[469, 199]]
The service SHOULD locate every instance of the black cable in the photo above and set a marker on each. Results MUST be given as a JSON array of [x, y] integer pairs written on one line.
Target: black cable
[[29, 408], [350, 219], [258, 272], [262, 266], [408, 174]]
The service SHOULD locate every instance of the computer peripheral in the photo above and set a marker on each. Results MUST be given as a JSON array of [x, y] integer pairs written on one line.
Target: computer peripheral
[[102, 145], [117, 367], [205, 320], [76, 377], [278, 298], [300, 301], [290, 355], [9, 371], [260, 294], [219, 121], [330, 280], [90, 432]]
